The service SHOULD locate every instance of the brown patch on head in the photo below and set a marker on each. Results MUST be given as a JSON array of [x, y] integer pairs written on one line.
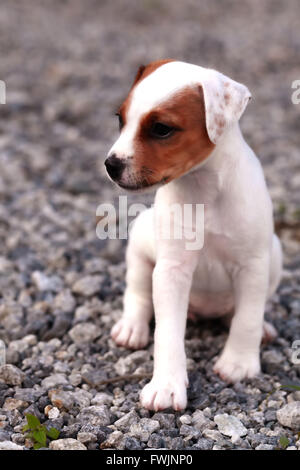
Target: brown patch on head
[[143, 72], [157, 160]]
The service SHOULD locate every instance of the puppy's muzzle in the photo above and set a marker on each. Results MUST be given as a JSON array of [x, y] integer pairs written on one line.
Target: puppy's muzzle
[[114, 167]]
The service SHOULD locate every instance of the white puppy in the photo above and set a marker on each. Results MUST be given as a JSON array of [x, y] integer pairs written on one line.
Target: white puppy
[[180, 132]]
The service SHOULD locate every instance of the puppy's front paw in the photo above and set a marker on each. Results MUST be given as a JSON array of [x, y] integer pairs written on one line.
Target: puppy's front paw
[[165, 392], [131, 334], [232, 367]]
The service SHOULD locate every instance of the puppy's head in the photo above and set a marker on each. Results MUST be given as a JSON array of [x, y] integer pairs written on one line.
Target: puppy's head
[[172, 119]]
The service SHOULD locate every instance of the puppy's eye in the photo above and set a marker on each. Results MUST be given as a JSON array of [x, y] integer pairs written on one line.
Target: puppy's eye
[[161, 131], [121, 123]]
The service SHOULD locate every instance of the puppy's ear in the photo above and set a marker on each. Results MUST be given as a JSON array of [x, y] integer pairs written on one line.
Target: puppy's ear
[[225, 101], [139, 74]]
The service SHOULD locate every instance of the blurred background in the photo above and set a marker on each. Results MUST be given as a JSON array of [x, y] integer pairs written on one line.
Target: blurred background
[[67, 66]]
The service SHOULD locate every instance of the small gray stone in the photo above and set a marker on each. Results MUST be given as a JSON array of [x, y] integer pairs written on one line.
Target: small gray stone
[[53, 413], [144, 428], [156, 442], [199, 421], [84, 333], [289, 415], [4, 435], [115, 440], [14, 404], [230, 425], [28, 394], [11, 375], [95, 415], [185, 419], [128, 364], [166, 420], [21, 345], [67, 444], [272, 357], [65, 301], [86, 437], [203, 444], [82, 398], [264, 447], [46, 283], [54, 380], [102, 398], [270, 415], [189, 431], [61, 399], [88, 285], [131, 443], [8, 445], [127, 420]]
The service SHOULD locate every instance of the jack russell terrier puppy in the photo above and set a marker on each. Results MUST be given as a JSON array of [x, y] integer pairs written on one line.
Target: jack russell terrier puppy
[[180, 133]]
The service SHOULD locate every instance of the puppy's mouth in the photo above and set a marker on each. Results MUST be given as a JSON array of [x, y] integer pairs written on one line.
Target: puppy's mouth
[[143, 186]]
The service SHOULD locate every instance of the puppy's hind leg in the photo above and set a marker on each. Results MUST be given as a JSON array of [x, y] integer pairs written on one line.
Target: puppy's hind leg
[[132, 330], [269, 331]]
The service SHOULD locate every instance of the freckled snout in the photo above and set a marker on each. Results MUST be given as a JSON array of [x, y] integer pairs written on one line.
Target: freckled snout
[[114, 167]]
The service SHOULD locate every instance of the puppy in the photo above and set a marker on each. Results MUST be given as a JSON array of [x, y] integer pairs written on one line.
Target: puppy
[[180, 134]]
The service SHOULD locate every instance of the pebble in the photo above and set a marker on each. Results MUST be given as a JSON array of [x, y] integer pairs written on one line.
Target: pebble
[[14, 404], [46, 283], [86, 437], [127, 420], [61, 399], [88, 285], [8, 445], [53, 413], [166, 420], [67, 444], [115, 440], [185, 419], [102, 398], [264, 447], [84, 333], [128, 364], [143, 429], [54, 380], [230, 425], [289, 415], [11, 375], [65, 301], [96, 415], [199, 420]]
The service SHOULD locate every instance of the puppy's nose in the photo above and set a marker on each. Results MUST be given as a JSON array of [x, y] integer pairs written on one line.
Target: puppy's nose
[[114, 166]]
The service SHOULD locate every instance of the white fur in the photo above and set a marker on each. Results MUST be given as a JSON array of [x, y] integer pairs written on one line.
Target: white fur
[[237, 269]]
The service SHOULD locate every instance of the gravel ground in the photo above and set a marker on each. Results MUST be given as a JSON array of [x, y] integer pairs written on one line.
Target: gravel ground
[[67, 65]]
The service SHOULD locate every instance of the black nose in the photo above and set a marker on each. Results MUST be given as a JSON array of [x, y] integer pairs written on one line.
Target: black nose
[[114, 166]]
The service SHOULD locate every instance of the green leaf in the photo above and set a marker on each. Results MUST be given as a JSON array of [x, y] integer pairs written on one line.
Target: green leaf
[[40, 436], [37, 446], [25, 428], [33, 421], [53, 433], [293, 387], [284, 442]]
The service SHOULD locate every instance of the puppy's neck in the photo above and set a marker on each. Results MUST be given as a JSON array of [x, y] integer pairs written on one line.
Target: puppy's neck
[[226, 154], [213, 176]]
